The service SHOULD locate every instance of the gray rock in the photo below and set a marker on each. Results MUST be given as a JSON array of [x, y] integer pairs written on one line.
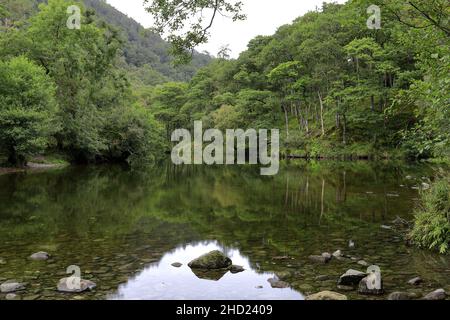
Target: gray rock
[[70, 286], [324, 258], [236, 269], [177, 264], [351, 277], [439, 294], [212, 260], [277, 283], [327, 295], [400, 296], [40, 256], [369, 285], [415, 281], [12, 296], [363, 263], [11, 286], [337, 254]]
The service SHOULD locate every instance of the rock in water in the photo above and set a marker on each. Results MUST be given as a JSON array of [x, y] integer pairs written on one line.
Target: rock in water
[[372, 284], [277, 283], [72, 286], [40, 256], [12, 296], [337, 254], [327, 295], [363, 263], [177, 265], [212, 260], [11, 286], [324, 258], [436, 295], [416, 281], [2, 261], [236, 269], [400, 296], [351, 277]]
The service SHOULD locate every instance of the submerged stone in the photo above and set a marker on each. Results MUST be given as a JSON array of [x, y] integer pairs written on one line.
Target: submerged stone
[[11, 286], [71, 286], [40, 256], [277, 283], [327, 295]]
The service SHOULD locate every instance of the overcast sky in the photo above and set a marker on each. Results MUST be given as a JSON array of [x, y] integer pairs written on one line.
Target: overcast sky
[[263, 18]]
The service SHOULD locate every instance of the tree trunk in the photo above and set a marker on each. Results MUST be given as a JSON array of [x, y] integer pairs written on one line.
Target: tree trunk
[[344, 133], [321, 113], [286, 118]]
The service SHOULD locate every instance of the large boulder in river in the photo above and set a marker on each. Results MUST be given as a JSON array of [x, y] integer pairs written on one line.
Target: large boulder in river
[[212, 260], [351, 278], [74, 285], [327, 295]]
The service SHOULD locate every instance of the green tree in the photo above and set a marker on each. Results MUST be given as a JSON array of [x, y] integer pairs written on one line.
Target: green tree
[[27, 109]]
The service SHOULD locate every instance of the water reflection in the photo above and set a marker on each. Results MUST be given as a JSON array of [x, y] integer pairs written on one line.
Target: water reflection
[[163, 281]]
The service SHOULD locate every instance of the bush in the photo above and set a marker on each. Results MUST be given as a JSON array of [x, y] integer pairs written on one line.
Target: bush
[[432, 219]]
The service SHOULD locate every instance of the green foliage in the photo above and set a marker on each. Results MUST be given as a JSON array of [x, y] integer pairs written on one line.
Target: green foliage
[[175, 16], [27, 109], [432, 221]]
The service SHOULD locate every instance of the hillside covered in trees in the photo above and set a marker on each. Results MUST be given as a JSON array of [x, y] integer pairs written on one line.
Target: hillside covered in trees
[[334, 86]]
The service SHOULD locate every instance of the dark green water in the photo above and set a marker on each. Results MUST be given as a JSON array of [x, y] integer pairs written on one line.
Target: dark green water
[[125, 228]]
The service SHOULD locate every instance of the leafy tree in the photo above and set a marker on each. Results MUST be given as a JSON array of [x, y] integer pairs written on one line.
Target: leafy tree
[[27, 109]]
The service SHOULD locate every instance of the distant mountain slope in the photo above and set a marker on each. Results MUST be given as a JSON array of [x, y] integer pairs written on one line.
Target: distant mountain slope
[[144, 47], [145, 53]]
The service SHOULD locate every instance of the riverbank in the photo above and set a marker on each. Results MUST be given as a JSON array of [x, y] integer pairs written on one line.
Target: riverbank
[[37, 163]]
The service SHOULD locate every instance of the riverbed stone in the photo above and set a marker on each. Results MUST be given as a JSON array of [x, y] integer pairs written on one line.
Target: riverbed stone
[[327, 295], [337, 254], [2, 261], [64, 285], [277, 283], [369, 286], [363, 263], [177, 264], [345, 288], [12, 296], [324, 258], [11, 286], [400, 296], [438, 294], [212, 260], [40, 256], [351, 277], [415, 281]]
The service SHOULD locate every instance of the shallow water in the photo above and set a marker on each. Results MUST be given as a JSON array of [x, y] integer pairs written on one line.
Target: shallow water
[[125, 228]]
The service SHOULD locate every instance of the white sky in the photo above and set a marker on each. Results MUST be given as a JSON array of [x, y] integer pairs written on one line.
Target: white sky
[[264, 17]]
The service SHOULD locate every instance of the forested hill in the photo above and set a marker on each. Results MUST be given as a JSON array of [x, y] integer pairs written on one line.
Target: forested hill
[[144, 47], [146, 54]]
